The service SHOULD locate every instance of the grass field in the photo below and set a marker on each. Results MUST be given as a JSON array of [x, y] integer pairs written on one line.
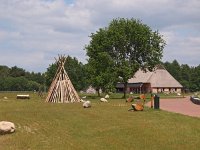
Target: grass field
[[104, 126]]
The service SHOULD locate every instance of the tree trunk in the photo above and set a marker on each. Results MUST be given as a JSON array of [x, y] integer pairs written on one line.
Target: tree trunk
[[125, 88], [98, 92]]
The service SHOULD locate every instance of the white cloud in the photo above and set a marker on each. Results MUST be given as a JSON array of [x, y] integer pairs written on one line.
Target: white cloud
[[35, 31]]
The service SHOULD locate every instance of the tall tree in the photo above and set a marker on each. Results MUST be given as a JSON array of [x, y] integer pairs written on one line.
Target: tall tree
[[185, 76], [50, 73], [4, 71], [100, 72], [129, 44], [198, 77], [176, 70], [37, 77], [76, 72], [17, 72]]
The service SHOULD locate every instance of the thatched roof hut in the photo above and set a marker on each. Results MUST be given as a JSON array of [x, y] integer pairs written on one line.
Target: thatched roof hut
[[159, 80]]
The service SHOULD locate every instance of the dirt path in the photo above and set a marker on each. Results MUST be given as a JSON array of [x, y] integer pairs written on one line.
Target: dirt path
[[180, 105]]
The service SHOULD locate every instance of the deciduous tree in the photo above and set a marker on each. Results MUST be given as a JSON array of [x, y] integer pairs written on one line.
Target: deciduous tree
[[129, 44]]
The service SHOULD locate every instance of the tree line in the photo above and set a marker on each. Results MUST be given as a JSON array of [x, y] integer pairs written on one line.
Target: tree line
[[17, 79], [188, 76]]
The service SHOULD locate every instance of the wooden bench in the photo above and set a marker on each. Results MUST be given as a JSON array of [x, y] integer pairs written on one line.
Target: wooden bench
[[23, 96]]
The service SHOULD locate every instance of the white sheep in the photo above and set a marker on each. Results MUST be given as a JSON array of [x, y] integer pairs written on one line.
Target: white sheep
[[103, 100], [87, 104]]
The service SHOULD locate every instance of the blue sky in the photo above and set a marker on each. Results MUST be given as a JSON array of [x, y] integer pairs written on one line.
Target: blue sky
[[33, 32]]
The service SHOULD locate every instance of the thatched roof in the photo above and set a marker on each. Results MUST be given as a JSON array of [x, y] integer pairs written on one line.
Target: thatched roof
[[160, 77]]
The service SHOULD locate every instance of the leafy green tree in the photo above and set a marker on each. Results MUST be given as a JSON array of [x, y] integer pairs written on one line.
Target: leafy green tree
[[185, 72], [195, 79], [100, 72], [4, 71], [2, 84], [188, 76], [100, 64], [16, 72], [129, 44], [19, 84], [185, 76], [174, 69], [14, 84], [33, 85], [198, 77], [76, 72], [37, 77], [17, 79], [6, 84], [50, 73]]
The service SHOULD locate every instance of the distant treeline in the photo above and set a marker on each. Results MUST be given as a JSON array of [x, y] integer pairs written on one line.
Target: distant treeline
[[17, 79], [188, 76]]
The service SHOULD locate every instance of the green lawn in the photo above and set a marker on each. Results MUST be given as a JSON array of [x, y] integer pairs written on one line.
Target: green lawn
[[104, 126]]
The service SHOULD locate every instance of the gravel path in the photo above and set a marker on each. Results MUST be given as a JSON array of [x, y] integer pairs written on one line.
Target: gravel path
[[180, 105]]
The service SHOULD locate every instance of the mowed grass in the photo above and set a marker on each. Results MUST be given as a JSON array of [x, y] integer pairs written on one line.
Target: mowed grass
[[104, 126]]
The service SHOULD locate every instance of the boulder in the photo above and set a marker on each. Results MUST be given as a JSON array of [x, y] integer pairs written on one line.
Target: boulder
[[130, 99], [107, 96], [81, 100], [87, 104], [103, 100], [6, 127], [84, 97]]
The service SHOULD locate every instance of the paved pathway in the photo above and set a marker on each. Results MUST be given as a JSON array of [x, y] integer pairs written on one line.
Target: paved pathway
[[180, 105]]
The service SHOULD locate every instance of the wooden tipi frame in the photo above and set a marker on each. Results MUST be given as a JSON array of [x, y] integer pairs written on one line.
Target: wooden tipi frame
[[61, 89]]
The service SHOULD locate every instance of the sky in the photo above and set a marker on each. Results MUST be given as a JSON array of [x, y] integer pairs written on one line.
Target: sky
[[34, 32]]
